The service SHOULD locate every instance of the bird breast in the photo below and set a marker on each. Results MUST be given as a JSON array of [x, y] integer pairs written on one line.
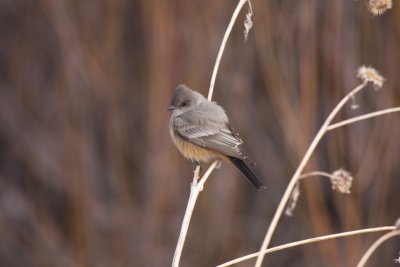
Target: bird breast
[[191, 151]]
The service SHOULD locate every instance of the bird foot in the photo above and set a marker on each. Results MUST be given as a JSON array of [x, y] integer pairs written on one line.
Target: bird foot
[[196, 171]]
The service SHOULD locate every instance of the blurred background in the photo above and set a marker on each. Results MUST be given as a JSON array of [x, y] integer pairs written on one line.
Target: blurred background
[[90, 177]]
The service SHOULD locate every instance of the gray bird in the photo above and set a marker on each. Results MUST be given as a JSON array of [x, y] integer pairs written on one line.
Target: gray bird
[[201, 131]]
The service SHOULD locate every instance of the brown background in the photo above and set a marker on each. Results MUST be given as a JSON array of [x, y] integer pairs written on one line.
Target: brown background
[[89, 176]]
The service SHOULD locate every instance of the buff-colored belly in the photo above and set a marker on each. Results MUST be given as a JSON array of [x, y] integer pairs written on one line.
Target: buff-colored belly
[[194, 152]]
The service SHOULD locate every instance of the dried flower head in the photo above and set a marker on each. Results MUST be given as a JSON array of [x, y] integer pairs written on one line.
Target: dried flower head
[[341, 181], [293, 200], [378, 7], [248, 23], [398, 259], [369, 74]]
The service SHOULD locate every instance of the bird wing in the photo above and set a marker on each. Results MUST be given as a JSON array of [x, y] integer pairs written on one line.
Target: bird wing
[[209, 131]]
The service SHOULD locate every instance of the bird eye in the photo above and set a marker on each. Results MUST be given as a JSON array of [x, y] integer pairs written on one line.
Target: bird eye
[[184, 104]]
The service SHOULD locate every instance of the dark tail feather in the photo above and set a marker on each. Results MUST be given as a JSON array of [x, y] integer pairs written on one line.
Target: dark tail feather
[[247, 172]]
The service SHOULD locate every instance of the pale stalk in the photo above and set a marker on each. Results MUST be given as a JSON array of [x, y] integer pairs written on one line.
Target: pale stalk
[[223, 44], [197, 186], [375, 245], [308, 241], [363, 117], [316, 173], [300, 168], [195, 189]]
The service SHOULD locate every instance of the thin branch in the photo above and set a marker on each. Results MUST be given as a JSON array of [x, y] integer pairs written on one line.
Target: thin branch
[[197, 186], [223, 44], [363, 117], [195, 189], [300, 168], [375, 245], [316, 173], [308, 241]]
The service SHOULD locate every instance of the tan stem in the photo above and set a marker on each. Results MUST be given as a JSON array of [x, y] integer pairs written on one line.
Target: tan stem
[[364, 117], [300, 168], [195, 189], [308, 241], [222, 47], [375, 245]]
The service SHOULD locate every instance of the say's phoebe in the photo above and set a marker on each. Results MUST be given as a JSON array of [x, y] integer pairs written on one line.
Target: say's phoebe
[[201, 131]]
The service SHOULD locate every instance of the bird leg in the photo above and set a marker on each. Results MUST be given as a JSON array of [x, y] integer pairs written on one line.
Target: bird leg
[[196, 172], [197, 165]]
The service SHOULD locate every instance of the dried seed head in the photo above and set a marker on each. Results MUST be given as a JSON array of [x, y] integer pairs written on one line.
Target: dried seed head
[[398, 259], [293, 200], [248, 23], [341, 181], [378, 7], [369, 74]]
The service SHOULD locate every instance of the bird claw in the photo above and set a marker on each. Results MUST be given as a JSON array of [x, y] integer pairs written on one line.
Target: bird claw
[[196, 171], [197, 164]]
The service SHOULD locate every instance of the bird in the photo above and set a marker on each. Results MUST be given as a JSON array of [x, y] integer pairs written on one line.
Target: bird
[[201, 131]]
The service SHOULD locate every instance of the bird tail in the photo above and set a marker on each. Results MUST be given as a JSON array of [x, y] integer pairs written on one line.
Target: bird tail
[[247, 172]]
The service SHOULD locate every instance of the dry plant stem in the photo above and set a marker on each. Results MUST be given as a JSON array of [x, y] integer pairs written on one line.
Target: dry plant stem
[[197, 186], [375, 245], [364, 117], [195, 189], [316, 173], [295, 178], [223, 44], [308, 241]]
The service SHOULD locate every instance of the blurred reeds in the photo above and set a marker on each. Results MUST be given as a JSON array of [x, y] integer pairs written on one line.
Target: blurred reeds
[[89, 176]]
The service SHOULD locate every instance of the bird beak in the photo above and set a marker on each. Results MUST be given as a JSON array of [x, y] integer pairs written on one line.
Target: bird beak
[[171, 108]]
